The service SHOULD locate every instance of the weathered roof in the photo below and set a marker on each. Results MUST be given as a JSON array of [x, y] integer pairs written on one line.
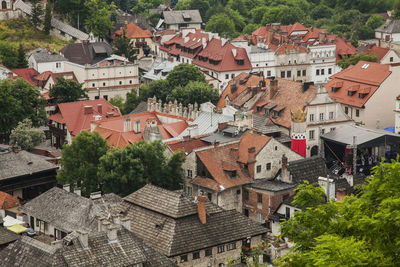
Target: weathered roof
[[183, 233], [160, 72], [142, 107], [133, 31], [391, 26], [177, 16], [307, 169], [7, 236], [271, 185], [45, 56], [22, 163], [68, 211], [86, 53]]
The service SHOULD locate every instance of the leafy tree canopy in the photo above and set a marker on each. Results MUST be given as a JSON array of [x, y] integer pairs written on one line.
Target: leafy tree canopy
[[222, 25], [118, 101], [182, 74], [80, 161], [99, 17], [353, 59], [124, 47], [25, 136], [194, 92], [67, 91]]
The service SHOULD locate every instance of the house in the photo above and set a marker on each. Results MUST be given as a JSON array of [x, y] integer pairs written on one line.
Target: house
[[52, 78], [23, 174], [58, 212], [367, 92], [397, 115], [323, 114], [160, 71], [8, 205], [43, 60], [220, 171], [102, 73], [191, 232], [116, 247], [222, 60], [389, 32], [69, 119], [384, 55], [178, 19], [4, 72], [28, 74], [141, 39]]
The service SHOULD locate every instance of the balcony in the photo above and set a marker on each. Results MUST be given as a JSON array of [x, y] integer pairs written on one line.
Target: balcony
[[57, 131]]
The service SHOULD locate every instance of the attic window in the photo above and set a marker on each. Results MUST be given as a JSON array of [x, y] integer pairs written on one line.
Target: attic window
[[240, 62], [232, 174], [361, 96]]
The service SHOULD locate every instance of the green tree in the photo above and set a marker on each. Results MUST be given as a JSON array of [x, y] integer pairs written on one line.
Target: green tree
[[98, 20], [354, 59], [37, 12], [201, 5], [250, 28], [374, 22], [133, 98], [258, 13], [222, 25], [124, 47], [118, 101], [182, 74], [238, 5], [321, 11], [194, 92], [356, 231], [25, 136], [8, 55], [125, 170], [19, 100], [160, 89], [22, 62], [80, 161], [67, 91], [143, 6], [47, 19], [284, 14]]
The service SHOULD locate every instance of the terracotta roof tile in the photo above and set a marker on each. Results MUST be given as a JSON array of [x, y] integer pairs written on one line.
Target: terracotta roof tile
[[249, 140], [133, 31], [7, 201], [28, 74], [363, 78], [380, 52], [186, 145]]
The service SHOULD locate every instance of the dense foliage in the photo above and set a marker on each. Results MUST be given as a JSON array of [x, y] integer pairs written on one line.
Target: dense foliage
[[90, 164], [360, 230], [124, 47], [353, 59], [19, 100], [25, 136], [67, 91]]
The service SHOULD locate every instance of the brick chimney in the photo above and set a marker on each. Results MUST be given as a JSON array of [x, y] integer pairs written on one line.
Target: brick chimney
[[127, 124], [284, 171], [201, 209], [340, 194], [273, 87], [322, 37], [88, 110], [100, 108]]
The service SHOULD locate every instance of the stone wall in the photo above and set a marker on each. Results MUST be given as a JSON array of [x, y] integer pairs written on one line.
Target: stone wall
[[176, 109]]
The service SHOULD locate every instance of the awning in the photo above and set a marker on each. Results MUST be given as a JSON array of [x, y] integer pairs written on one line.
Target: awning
[[17, 228], [10, 221]]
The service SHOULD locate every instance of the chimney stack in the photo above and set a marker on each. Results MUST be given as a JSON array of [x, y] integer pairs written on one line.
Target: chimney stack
[[100, 108], [84, 239], [88, 110], [127, 124], [125, 222], [201, 209], [112, 234], [284, 170], [77, 191], [95, 195]]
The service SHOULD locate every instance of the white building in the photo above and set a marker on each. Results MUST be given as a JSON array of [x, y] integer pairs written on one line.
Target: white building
[[42, 60], [389, 32]]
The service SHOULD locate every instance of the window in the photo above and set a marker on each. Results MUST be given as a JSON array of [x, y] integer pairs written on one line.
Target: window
[[331, 115], [268, 166], [120, 82], [105, 97], [330, 71], [130, 81], [391, 59], [276, 148], [311, 135], [298, 73], [304, 72], [268, 73], [226, 76], [208, 252], [246, 195], [311, 117], [96, 97], [258, 168], [357, 113], [93, 84], [282, 74], [322, 71], [289, 74], [104, 84], [221, 249], [259, 198], [184, 258], [287, 213], [317, 72], [189, 173], [209, 196], [58, 65], [238, 192], [189, 190], [196, 255], [231, 246], [346, 110], [233, 76], [259, 217], [321, 116], [322, 131]]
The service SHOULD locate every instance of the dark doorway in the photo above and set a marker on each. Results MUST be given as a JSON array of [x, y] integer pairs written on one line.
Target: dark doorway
[[314, 151]]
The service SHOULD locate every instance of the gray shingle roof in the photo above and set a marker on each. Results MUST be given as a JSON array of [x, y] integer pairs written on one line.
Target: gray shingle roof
[[44, 56], [142, 107], [68, 211], [168, 222], [176, 16], [22, 163], [271, 185], [391, 26], [7, 236], [307, 169], [84, 53]]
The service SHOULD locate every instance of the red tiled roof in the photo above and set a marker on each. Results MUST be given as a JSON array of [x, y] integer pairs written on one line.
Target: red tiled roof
[[112, 129], [225, 56], [7, 201], [365, 79], [28, 74], [186, 145], [44, 76], [297, 27], [249, 140], [73, 114], [380, 52], [283, 49], [343, 48], [68, 75], [252, 81], [133, 31]]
